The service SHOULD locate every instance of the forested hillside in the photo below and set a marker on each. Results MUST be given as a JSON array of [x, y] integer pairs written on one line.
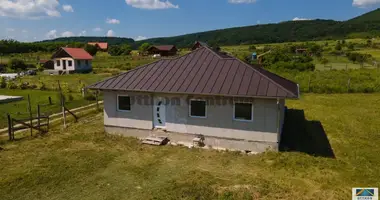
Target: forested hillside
[[86, 39]]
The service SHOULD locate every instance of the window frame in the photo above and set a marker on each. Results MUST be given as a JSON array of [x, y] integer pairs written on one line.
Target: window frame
[[117, 103], [58, 63], [201, 117], [242, 120], [69, 63]]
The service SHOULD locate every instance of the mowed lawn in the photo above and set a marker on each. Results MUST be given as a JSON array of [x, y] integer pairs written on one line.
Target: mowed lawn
[[85, 163]]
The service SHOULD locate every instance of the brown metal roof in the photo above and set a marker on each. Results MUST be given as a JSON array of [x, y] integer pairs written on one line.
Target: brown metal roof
[[202, 72], [163, 47]]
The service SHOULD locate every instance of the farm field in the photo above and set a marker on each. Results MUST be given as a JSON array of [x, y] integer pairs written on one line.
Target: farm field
[[19, 109], [84, 163]]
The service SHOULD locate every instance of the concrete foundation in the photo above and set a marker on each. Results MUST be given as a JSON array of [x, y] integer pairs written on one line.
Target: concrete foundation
[[214, 142]]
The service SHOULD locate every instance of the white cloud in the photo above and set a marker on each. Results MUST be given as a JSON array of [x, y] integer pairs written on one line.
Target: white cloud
[[67, 34], [151, 4], [29, 9], [51, 34], [97, 29], [300, 19], [138, 38], [24, 31], [82, 33], [364, 3], [68, 8], [241, 1], [110, 33], [10, 29], [112, 21]]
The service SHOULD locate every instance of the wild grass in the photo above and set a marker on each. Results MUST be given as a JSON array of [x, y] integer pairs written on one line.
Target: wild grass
[[84, 163], [19, 109]]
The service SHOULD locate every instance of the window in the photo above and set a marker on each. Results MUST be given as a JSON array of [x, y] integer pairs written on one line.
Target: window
[[243, 111], [198, 108], [86, 62], [123, 103], [70, 63], [78, 62], [58, 63]]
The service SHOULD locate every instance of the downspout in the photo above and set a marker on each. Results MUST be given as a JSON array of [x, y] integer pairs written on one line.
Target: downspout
[[278, 124]]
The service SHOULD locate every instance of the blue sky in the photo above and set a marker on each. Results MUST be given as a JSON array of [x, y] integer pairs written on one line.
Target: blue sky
[[31, 20]]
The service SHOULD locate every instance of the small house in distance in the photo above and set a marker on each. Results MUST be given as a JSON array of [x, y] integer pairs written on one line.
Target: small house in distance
[[71, 60], [198, 44], [103, 46], [163, 50], [203, 94]]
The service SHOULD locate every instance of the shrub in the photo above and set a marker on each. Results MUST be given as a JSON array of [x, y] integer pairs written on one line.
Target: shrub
[[69, 97], [11, 85], [39, 67], [23, 85], [17, 65], [41, 85], [89, 96], [3, 82]]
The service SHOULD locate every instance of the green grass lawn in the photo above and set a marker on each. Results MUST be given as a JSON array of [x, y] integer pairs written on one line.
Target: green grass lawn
[[72, 81], [19, 109], [84, 163]]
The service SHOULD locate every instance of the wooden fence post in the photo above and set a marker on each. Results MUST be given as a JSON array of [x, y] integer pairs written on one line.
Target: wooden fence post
[[97, 100], [50, 102], [348, 84], [62, 105], [30, 115], [38, 117], [10, 127]]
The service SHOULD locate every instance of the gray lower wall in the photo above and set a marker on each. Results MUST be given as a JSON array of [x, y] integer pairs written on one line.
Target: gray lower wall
[[265, 127]]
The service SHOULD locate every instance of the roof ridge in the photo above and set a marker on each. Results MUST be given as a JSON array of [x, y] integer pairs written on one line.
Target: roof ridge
[[271, 80]]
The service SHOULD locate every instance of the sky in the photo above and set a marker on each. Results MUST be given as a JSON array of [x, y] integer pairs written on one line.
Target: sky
[[35, 20]]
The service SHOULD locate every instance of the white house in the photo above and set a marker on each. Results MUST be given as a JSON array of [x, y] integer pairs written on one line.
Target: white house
[[72, 60], [229, 103]]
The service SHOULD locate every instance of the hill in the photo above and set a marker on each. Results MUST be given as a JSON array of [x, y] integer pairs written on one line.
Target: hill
[[366, 25], [86, 39]]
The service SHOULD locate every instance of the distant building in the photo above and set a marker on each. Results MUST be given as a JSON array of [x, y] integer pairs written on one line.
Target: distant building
[[163, 50], [102, 45], [71, 60], [198, 44], [46, 64]]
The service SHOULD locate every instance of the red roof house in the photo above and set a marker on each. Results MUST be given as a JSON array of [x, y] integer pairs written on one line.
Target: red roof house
[[72, 60], [102, 45]]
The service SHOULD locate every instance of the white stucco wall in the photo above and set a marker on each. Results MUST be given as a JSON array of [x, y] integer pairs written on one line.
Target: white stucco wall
[[76, 64], [267, 116]]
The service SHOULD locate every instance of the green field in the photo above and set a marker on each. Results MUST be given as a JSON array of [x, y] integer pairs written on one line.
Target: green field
[[84, 163], [19, 109]]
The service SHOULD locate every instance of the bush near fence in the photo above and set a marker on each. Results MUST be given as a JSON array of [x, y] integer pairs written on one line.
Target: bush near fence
[[335, 81]]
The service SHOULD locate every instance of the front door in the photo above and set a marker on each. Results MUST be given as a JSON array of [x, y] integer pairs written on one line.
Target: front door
[[64, 64], [159, 112]]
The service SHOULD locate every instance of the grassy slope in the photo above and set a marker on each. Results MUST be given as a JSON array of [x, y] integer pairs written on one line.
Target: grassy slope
[[83, 163]]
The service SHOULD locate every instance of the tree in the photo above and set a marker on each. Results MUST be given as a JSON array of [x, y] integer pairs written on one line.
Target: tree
[[91, 49], [369, 43], [126, 49], [114, 50], [144, 47], [324, 61], [252, 48], [16, 65], [351, 46], [338, 46]]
